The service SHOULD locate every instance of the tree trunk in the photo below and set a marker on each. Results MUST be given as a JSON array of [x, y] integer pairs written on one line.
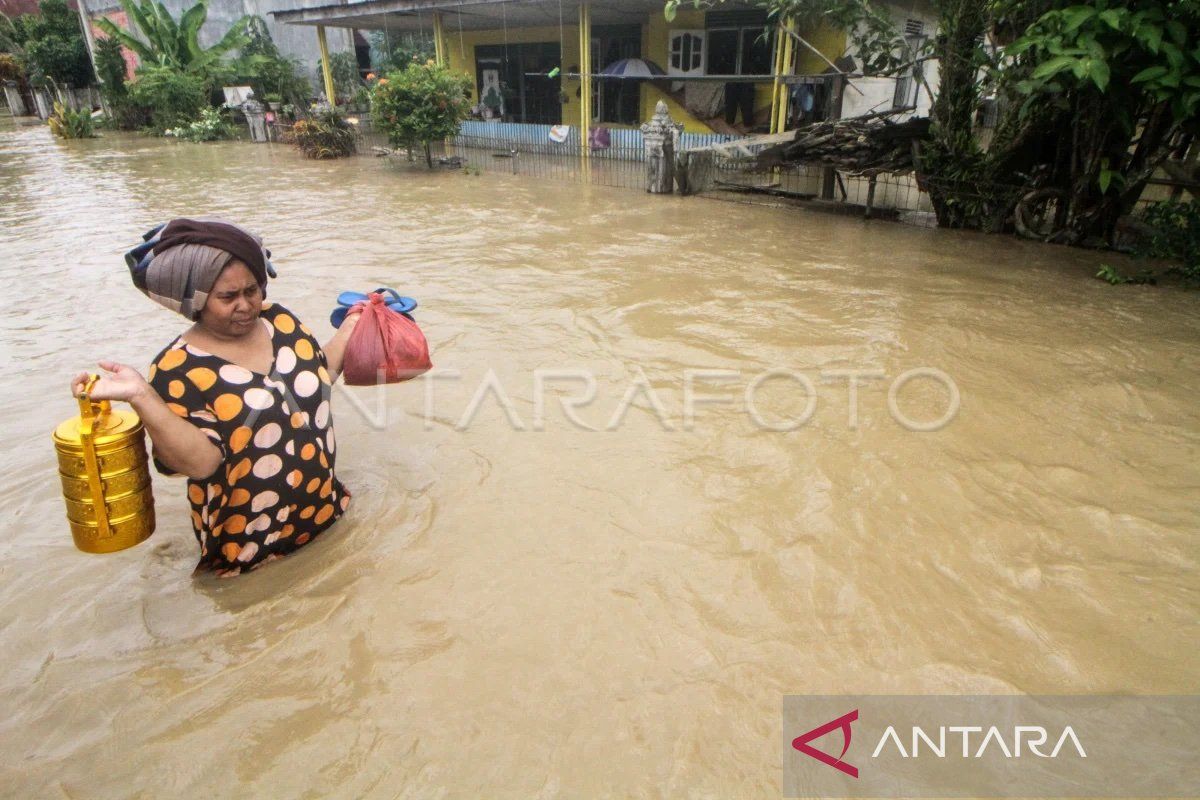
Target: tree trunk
[[953, 156], [428, 155], [1094, 215]]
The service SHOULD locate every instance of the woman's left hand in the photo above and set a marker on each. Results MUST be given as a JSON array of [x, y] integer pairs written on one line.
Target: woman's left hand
[[351, 320], [335, 348]]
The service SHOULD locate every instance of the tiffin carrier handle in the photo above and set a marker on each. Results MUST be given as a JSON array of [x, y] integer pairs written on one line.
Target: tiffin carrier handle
[[89, 414]]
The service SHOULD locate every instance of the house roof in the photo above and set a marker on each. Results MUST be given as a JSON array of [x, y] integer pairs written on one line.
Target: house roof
[[471, 14]]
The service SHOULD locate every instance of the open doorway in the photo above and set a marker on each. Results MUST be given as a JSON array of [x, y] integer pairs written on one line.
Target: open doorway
[[616, 101], [512, 82]]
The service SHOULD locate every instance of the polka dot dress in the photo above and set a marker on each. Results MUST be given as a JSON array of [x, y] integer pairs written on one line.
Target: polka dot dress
[[275, 489]]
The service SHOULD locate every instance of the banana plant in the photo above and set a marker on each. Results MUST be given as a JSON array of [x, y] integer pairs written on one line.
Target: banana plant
[[165, 42]]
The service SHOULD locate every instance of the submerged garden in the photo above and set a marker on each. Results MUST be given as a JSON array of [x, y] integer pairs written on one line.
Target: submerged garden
[[1124, 81], [176, 87]]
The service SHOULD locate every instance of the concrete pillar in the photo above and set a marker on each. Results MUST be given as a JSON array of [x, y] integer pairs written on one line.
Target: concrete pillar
[[256, 118], [660, 136], [15, 103], [42, 103]]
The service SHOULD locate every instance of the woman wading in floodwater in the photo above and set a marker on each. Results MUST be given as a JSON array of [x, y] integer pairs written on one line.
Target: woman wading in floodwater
[[239, 402]]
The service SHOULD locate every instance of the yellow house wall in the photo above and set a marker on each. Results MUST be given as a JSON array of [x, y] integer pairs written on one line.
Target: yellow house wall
[[460, 49], [829, 40], [462, 56], [654, 48]]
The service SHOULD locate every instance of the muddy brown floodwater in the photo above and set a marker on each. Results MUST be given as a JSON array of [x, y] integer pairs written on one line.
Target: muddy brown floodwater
[[520, 606]]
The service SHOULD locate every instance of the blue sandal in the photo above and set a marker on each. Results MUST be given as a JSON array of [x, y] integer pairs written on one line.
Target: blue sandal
[[347, 300]]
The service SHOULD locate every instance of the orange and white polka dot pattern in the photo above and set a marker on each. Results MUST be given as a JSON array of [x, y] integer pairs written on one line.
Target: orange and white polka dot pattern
[[276, 487]]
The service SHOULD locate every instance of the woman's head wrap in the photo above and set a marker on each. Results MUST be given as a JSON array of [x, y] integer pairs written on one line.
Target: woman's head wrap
[[178, 262]]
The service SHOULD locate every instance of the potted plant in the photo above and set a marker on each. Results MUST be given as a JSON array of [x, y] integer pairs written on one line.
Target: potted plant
[[273, 100]]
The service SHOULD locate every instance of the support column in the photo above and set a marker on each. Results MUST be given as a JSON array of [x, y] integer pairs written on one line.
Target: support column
[[326, 69], [789, 68], [439, 39], [780, 35], [585, 77]]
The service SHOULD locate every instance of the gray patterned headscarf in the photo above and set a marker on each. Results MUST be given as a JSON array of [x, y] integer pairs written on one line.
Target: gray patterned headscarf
[[178, 263]]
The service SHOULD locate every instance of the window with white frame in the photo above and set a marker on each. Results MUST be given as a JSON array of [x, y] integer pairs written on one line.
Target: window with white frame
[[908, 84], [686, 53], [739, 43]]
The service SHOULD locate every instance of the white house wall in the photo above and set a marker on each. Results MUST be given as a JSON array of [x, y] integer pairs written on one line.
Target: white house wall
[[876, 94]]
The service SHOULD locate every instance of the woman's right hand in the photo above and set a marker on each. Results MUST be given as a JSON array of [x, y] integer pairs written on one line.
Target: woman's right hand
[[122, 383]]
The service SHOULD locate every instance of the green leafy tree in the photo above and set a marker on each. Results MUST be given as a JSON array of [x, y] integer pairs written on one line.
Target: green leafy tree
[[953, 158], [12, 37], [1122, 78], [391, 52], [49, 45], [268, 71], [111, 66], [125, 113], [346, 77], [879, 45], [167, 42], [421, 103], [1127, 77]]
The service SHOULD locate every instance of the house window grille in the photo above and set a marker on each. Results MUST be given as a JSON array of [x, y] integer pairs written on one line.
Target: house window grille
[[908, 85]]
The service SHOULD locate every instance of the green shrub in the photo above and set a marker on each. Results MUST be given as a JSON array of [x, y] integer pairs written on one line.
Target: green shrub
[[67, 123], [210, 127], [324, 135], [1114, 276], [1167, 230], [1175, 236], [173, 98], [124, 113], [10, 68], [421, 103]]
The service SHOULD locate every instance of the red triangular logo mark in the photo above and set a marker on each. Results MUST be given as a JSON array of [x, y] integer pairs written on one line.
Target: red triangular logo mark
[[843, 722]]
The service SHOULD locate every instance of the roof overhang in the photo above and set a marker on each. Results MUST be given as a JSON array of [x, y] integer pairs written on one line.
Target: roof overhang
[[471, 15]]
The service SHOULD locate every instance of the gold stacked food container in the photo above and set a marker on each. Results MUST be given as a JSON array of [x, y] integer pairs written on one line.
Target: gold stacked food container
[[105, 476]]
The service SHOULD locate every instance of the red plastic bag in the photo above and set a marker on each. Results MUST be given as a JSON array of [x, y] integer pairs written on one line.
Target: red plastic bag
[[385, 346]]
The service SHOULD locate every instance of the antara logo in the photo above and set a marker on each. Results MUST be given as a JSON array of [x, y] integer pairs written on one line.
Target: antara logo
[[801, 743], [1033, 736]]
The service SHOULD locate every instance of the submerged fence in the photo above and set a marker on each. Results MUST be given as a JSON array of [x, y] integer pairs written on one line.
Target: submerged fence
[[619, 161]]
